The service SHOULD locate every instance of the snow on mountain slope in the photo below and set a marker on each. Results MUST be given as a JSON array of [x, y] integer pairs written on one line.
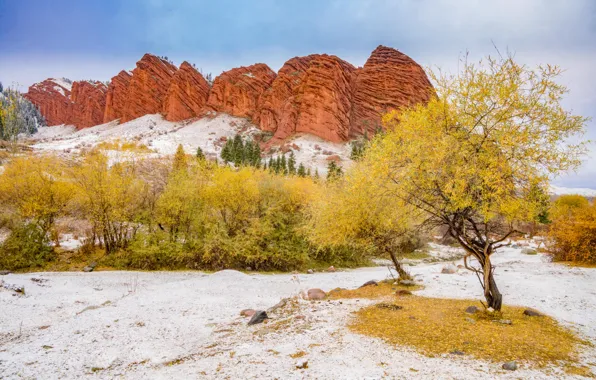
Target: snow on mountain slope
[[208, 133], [558, 190]]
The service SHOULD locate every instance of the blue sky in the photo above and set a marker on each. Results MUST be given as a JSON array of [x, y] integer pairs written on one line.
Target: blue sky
[[94, 39]]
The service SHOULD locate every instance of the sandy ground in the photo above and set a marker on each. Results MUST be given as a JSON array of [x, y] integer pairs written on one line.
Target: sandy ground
[[178, 325]]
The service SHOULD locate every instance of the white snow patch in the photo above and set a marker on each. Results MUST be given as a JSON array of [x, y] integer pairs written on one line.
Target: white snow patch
[[67, 84], [131, 324], [558, 190]]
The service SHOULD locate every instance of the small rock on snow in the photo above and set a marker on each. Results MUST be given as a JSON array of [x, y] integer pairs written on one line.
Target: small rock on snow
[[310, 271], [331, 269], [370, 283], [510, 366], [4, 272], [247, 312], [532, 313], [449, 269], [258, 317], [316, 294], [88, 269]]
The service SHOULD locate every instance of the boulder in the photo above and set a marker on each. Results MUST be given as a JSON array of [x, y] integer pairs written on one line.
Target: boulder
[[472, 310], [449, 269], [247, 312], [4, 272], [258, 317], [187, 94], [533, 313], [88, 269], [510, 366], [310, 271], [331, 269], [389, 80], [369, 283], [237, 91], [316, 294]]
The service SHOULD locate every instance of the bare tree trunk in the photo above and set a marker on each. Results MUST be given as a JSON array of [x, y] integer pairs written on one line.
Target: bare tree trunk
[[494, 298], [402, 273]]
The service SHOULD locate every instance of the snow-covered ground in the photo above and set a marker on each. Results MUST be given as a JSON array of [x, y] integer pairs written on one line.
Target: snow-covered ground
[[163, 137], [178, 325]]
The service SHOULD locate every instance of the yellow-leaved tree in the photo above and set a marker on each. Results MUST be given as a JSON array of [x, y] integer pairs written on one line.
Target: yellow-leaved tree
[[472, 158], [37, 189], [357, 211]]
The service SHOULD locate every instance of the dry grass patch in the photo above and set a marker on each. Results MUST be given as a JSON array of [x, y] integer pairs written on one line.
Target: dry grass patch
[[384, 289], [436, 326]]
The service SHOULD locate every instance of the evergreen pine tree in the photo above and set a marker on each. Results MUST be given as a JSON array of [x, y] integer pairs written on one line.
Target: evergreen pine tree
[[271, 165], [316, 174], [301, 170], [308, 172], [226, 152], [292, 164], [200, 154], [238, 150], [333, 171], [283, 165]]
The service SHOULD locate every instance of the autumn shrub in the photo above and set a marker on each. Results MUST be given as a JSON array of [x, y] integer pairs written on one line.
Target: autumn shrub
[[573, 231], [26, 246]]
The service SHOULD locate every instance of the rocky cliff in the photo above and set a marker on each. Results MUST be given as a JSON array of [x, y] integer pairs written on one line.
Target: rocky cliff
[[187, 94], [317, 94], [52, 97], [116, 97], [238, 91], [88, 102]]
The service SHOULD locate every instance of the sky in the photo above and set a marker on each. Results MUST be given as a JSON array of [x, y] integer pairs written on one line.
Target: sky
[[95, 39]]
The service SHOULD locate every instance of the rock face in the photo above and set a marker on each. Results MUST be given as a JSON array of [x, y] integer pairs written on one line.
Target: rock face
[[52, 97], [317, 94], [148, 87], [311, 94], [237, 91], [116, 97], [88, 103], [389, 80], [187, 94]]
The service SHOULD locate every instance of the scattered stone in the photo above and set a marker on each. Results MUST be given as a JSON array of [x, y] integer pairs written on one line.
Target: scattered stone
[[388, 306], [248, 269], [407, 283], [258, 317], [449, 269], [310, 271], [15, 288], [510, 366], [331, 269], [278, 305], [300, 317], [403, 292], [457, 352], [316, 294], [505, 321], [533, 313], [370, 283], [247, 312], [4, 272], [472, 321], [93, 264], [472, 310], [529, 251]]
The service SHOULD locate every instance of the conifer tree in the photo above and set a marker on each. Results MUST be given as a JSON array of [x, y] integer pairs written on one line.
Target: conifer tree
[[226, 152], [283, 165], [292, 164], [200, 154], [308, 172], [333, 171], [301, 170]]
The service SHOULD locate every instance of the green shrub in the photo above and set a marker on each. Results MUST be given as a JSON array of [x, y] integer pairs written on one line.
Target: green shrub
[[25, 247]]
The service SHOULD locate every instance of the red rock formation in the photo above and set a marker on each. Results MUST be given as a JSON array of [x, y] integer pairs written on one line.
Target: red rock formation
[[117, 96], [148, 87], [237, 91], [389, 80], [88, 103], [187, 94], [52, 97], [310, 95]]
